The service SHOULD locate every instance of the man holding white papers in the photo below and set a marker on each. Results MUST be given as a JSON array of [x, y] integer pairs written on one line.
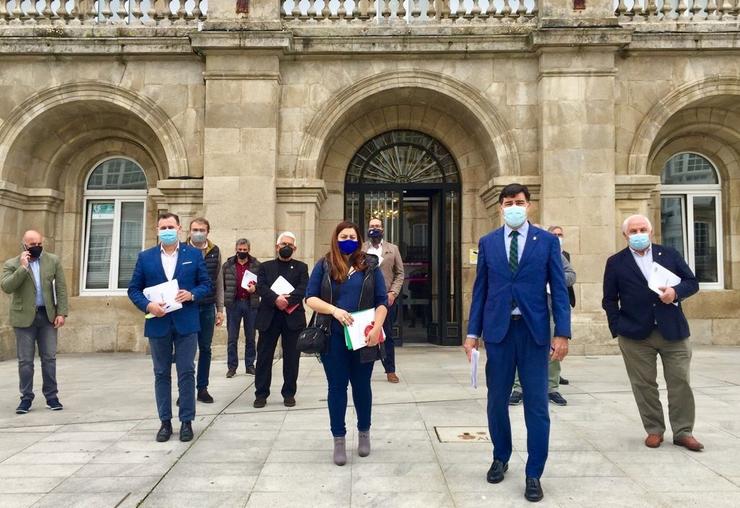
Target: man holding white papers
[[238, 295], [281, 285], [650, 323], [172, 261]]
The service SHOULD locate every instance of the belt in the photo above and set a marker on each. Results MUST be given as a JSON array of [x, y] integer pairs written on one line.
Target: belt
[[516, 317]]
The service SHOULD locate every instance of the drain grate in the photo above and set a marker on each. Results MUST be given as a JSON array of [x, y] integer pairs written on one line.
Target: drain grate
[[462, 434]]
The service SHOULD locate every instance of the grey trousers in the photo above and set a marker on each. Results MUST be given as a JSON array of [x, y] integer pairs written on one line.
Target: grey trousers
[[42, 332], [640, 359]]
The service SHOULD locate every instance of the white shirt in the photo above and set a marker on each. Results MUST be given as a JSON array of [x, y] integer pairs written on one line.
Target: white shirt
[[169, 261], [378, 251], [644, 262]]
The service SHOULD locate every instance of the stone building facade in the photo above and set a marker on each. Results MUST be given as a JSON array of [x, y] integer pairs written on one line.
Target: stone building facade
[[295, 115]]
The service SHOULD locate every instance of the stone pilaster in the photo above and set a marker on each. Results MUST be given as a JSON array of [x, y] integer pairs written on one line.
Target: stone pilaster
[[298, 204]]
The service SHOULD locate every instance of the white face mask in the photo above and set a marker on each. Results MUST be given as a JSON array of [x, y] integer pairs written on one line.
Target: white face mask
[[560, 239], [515, 216]]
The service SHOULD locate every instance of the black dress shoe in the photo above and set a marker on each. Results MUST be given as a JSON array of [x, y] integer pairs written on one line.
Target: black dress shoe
[[533, 490], [564, 381], [186, 432], [496, 472], [204, 396], [515, 398], [259, 403], [165, 431], [289, 401], [251, 371]]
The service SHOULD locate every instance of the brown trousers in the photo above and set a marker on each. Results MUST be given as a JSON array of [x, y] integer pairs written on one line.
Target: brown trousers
[[640, 360]]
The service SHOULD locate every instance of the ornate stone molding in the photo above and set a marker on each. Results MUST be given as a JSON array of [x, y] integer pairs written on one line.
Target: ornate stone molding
[[490, 192], [639, 187], [305, 191], [30, 199], [178, 193]]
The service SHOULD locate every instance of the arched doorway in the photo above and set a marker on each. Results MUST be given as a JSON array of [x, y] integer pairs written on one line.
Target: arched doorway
[[411, 182]]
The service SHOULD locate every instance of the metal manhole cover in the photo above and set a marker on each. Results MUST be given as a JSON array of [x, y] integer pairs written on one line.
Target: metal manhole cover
[[462, 434]]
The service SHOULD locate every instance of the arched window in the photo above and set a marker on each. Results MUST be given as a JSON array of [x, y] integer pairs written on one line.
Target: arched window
[[115, 204], [690, 215]]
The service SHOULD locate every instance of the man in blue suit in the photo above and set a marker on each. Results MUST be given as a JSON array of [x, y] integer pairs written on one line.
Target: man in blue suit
[[648, 325], [178, 329], [509, 311]]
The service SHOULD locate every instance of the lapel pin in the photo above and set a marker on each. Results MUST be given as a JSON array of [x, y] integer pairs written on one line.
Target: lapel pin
[[534, 238]]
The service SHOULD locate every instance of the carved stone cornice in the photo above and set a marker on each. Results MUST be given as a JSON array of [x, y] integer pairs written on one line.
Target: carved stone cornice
[[490, 192], [172, 191], [303, 191], [636, 186], [30, 199]]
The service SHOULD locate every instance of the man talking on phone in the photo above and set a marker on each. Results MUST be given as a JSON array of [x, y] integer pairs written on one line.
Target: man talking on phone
[[35, 282]]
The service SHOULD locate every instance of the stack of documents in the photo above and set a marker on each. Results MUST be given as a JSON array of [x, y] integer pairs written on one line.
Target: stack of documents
[[249, 278], [356, 333], [661, 277], [164, 293], [281, 286]]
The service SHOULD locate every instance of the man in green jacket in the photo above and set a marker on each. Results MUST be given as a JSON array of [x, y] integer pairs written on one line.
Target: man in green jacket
[[38, 307]]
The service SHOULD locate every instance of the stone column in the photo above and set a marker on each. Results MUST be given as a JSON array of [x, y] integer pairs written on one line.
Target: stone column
[[577, 160]]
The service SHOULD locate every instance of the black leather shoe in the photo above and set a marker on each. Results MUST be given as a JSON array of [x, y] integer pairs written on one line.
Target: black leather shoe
[[165, 431], [533, 490], [515, 398], [251, 371], [289, 401], [557, 399], [496, 472], [259, 403], [186, 432], [564, 381], [204, 396]]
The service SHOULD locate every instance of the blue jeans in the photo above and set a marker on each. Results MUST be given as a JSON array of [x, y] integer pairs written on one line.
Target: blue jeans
[[390, 354], [184, 347], [205, 338], [342, 367], [241, 311]]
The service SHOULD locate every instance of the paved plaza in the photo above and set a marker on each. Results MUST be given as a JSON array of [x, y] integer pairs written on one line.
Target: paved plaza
[[100, 451]]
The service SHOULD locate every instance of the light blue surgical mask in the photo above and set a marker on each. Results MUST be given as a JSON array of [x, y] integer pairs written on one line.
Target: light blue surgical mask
[[515, 216], [167, 236], [639, 241]]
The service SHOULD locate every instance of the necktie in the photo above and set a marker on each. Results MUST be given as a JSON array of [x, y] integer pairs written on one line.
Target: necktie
[[514, 251]]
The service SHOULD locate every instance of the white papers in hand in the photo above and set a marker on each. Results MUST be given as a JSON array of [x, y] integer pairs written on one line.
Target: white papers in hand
[[165, 292], [362, 322], [248, 278], [661, 277], [281, 286], [474, 357]]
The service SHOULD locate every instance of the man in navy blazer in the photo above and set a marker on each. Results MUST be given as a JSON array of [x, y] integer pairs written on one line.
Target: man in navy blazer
[[509, 311], [177, 329], [649, 324]]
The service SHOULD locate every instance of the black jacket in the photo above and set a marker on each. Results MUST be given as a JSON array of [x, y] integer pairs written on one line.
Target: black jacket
[[633, 309], [298, 278]]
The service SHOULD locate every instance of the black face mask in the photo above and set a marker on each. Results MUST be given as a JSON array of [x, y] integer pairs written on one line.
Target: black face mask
[[242, 255], [285, 252], [35, 250], [375, 234]]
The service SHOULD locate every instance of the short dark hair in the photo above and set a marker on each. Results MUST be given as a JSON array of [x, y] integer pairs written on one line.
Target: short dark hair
[[201, 220], [167, 215], [512, 190]]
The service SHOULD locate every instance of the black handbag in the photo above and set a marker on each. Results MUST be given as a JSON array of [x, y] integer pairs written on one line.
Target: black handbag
[[314, 339]]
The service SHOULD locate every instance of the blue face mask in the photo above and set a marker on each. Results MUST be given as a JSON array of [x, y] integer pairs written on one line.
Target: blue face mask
[[167, 236], [348, 246], [639, 241], [515, 216]]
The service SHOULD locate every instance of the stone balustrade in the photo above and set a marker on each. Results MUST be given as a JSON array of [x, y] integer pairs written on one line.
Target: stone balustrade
[[676, 11], [157, 13], [409, 11]]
